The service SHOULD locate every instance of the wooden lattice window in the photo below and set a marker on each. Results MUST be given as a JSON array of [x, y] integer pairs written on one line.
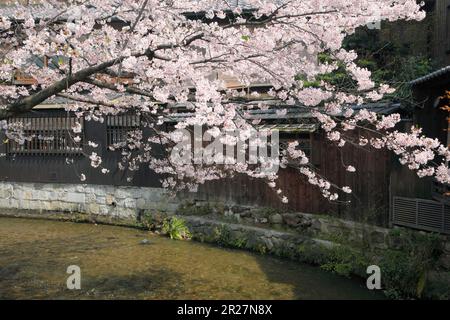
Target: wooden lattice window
[[119, 126], [51, 135]]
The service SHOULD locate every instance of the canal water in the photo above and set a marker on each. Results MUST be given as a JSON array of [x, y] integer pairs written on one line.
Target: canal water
[[35, 255]]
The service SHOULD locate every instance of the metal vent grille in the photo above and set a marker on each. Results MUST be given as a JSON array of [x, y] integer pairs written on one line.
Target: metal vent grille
[[421, 214], [405, 211], [430, 215], [447, 219]]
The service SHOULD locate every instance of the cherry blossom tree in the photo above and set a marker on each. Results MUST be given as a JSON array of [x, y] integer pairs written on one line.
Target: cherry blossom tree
[[150, 55]]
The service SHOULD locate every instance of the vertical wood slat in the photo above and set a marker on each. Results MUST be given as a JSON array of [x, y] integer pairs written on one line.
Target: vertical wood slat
[[441, 40], [57, 133], [64, 148], [33, 133], [70, 135], [40, 132]]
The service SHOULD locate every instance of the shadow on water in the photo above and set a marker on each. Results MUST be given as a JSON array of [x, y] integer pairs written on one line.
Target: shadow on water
[[35, 254], [310, 282]]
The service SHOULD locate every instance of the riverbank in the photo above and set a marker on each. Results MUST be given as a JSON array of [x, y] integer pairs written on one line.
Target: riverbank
[[410, 261]]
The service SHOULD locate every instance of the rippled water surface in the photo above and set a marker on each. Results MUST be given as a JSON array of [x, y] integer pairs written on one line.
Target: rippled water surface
[[35, 254]]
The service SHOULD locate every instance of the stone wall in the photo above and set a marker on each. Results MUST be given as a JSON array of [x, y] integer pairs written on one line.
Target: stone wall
[[113, 201], [310, 225], [303, 226], [252, 238]]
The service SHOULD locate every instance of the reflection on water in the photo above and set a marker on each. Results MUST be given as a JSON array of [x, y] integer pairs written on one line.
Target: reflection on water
[[34, 256]]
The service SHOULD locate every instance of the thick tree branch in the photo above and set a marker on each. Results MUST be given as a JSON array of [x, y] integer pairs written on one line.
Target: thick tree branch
[[87, 100], [129, 89], [26, 104], [33, 100]]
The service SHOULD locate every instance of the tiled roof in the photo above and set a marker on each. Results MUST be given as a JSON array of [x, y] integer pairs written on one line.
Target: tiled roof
[[429, 77], [291, 128]]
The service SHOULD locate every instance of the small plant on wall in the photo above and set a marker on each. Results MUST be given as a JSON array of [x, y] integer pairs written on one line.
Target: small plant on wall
[[176, 229]]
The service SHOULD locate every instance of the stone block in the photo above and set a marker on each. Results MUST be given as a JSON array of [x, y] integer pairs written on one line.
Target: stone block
[[4, 203], [53, 196], [295, 220], [100, 200], [48, 206], [91, 198], [23, 195], [35, 205], [104, 210], [276, 218], [110, 200], [129, 203], [70, 207], [40, 195], [75, 197], [24, 204], [99, 191], [14, 204], [140, 203], [6, 192], [93, 208], [125, 213], [123, 193]]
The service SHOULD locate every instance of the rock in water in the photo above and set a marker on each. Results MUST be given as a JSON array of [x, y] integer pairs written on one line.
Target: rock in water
[[145, 242]]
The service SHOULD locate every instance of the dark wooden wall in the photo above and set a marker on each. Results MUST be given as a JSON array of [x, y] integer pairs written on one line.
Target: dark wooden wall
[[53, 168], [428, 116], [441, 33], [370, 201]]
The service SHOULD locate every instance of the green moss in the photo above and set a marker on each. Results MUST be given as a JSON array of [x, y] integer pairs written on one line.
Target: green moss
[[200, 209], [192, 209], [223, 236], [345, 261], [266, 212], [340, 236], [311, 254], [405, 270], [152, 220], [260, 248]]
